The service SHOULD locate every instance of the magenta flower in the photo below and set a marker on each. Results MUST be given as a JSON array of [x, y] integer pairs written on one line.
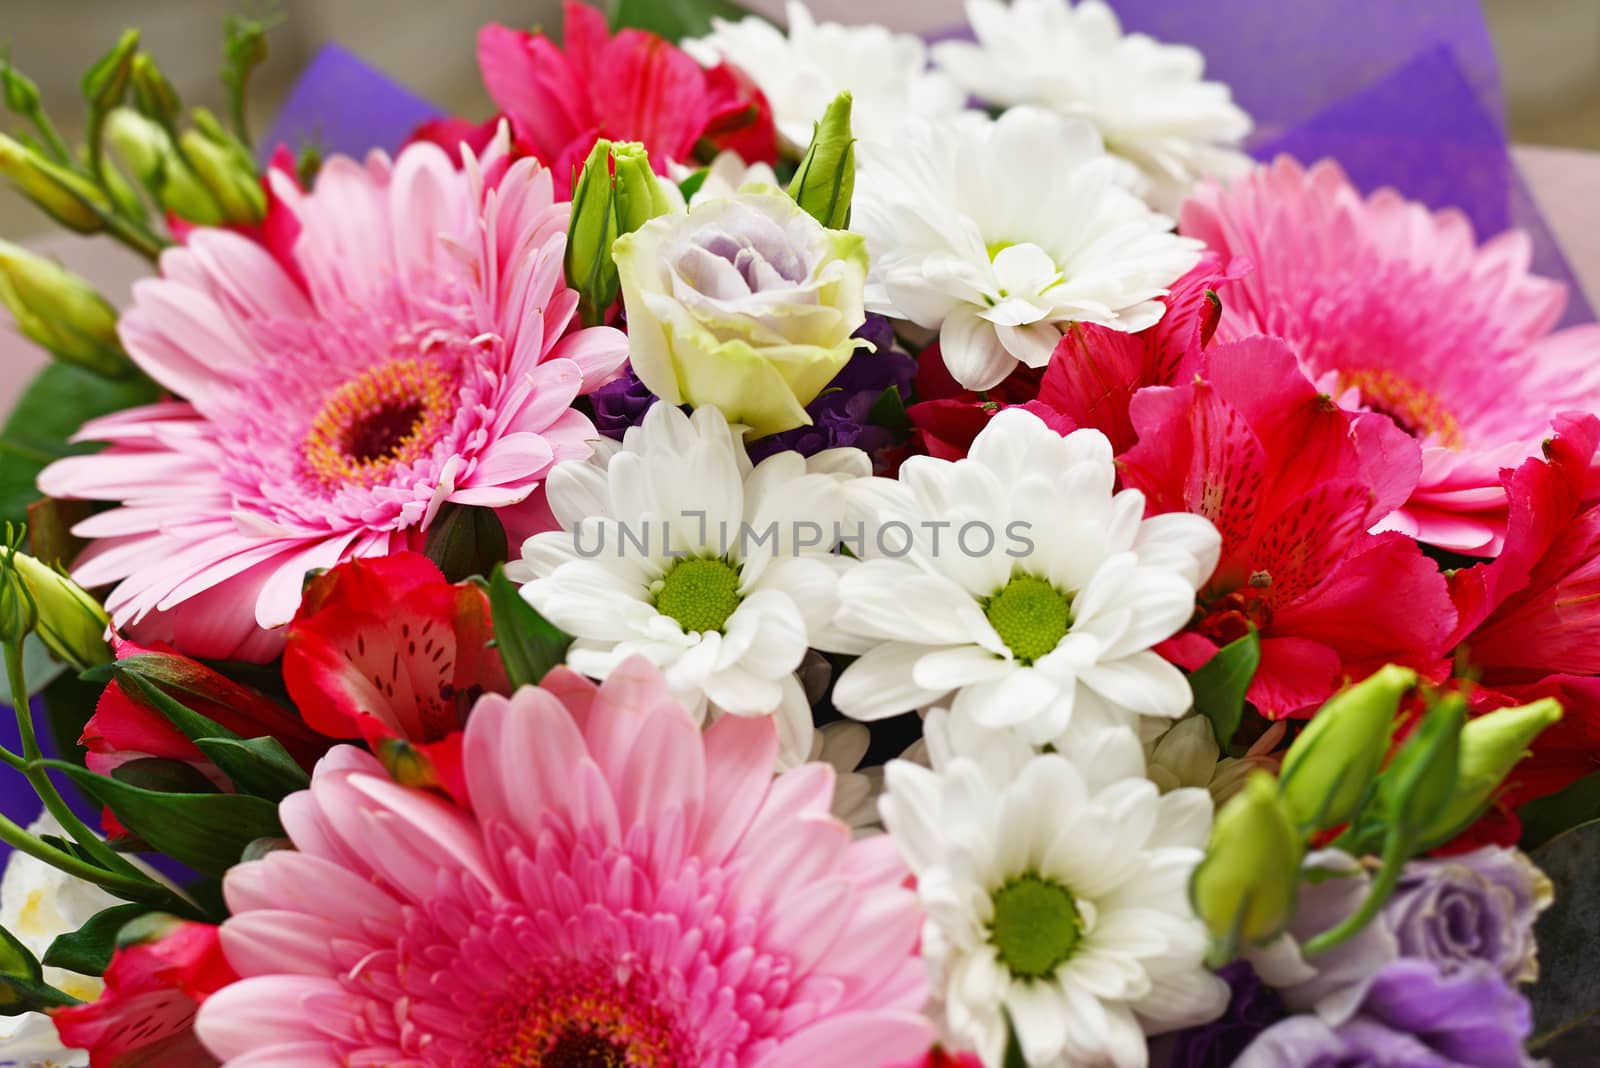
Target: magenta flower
[[426, 360], [1391, 308], [624, 890]]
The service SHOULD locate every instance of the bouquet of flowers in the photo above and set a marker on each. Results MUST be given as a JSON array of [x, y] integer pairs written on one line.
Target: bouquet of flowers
[[790, 548]]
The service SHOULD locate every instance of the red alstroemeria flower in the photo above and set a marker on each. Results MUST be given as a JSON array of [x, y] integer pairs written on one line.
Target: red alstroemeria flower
[[162, 971], [1530, 621], [386, 650], [1293, 483], [947, 418], [1095, 371], [123, 730], [634, 86]]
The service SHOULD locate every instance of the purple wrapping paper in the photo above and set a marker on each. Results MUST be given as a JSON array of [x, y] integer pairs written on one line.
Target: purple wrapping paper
[[18, 802], [340, 104]]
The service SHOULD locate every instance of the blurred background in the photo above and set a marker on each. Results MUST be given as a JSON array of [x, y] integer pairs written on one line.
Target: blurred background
[[1550, 51]]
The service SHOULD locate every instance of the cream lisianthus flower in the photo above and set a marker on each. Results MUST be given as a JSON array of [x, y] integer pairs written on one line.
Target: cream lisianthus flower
[[744, 302]]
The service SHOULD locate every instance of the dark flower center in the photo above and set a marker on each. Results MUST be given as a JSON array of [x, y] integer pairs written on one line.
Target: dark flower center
[[584, 1049], [380, 434]]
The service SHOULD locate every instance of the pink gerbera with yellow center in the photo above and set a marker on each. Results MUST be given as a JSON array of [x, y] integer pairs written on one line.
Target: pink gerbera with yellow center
[[1395, 309], [624, 892], [425, 359]]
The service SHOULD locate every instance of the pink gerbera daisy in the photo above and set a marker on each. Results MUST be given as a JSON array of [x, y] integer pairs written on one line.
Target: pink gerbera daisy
[[1395, 309], [425, 359], [624, 891]]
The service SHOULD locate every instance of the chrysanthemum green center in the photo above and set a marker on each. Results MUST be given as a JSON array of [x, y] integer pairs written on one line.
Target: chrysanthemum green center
[[1036, 925], [700, 594], [1030, 615]]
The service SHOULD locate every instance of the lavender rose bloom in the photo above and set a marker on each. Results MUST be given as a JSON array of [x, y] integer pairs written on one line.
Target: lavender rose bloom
[[1412, 1016], [1477, 906], [1253, 1007]]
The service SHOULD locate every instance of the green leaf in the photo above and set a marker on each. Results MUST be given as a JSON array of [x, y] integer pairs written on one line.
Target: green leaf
[[17, 959], [140, 688], [19, 995], [258, 766], [87, 950], [529, 644], [207, 832], [673, 19], [1220, 684], [889, 412], [70, 704], [56, 403], [1566, 999], [164, 776], [1561, 811]]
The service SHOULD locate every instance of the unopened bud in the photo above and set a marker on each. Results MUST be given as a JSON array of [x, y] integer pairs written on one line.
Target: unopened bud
[[149, 153], [1421, 779], [406, 764], [21, 92], [1491, 746], [71, 623], [616, 193], [106, 83], [60, 311], [153, 93], [64, 196], [1244, 888], [1331, 765], [826, 180], [18, 614], [226, 169]]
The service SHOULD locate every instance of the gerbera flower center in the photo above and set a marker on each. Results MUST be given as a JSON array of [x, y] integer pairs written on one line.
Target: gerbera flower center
[[1036, 925], [699, 593], [570, 1016], [388, 415], [1414, 409], [1030, 615], [581, 1049]]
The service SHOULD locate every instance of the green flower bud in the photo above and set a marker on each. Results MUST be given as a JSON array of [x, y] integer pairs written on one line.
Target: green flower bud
[[148, 152], [616, 193], [1491, 746], [1333, 762], [826, 179], [106, 83], [228, 173], [60, 311], [1244, 889], [64, 196], [71, 624], [21, 92], [18, 613], [153, 93], [1421, 779]]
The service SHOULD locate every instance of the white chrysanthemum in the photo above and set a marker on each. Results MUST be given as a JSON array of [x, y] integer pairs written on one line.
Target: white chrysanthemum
[[675, 548], [1148, 100], [801, 71], [1000, 232], [38, 903], [1056, 898], [1027, 587]]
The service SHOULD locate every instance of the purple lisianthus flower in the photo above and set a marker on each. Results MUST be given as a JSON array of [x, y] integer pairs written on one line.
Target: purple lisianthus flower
[[1477, 906], [1412, 1016], [1252, 1008], [621, 403], [840, 414]]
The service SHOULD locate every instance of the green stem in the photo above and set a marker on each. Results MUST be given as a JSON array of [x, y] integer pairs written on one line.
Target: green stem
[[1396, 849], [39, 779], [134, 889], [51, 136]]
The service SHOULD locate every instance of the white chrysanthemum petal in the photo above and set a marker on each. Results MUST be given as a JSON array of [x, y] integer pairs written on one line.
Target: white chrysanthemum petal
[[801, 71], [1001, 232], [1146, 100], [665, 553], [1101, 939]]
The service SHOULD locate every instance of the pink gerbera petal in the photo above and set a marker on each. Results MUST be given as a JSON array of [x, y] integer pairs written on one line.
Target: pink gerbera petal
[[416, 366], [623, 889]]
